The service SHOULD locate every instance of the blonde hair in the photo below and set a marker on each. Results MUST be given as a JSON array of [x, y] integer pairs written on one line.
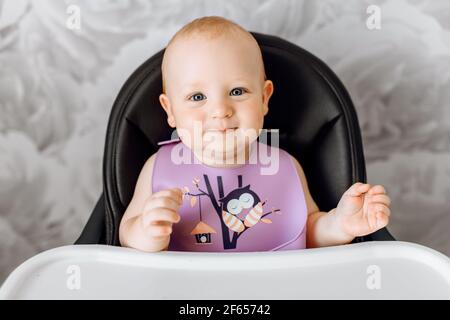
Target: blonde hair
[[212, 27]]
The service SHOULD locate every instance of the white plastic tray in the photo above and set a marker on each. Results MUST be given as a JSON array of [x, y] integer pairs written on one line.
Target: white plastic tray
[[371, 270]]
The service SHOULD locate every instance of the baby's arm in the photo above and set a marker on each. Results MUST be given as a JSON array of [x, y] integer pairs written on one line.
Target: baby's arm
[[362, 210], [147, 222]]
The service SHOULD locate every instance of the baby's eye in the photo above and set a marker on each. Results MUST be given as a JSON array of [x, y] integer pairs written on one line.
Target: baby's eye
[[237, 92], [197, 97]]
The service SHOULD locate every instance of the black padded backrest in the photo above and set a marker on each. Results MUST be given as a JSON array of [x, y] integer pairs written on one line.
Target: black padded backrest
[[310, 107]]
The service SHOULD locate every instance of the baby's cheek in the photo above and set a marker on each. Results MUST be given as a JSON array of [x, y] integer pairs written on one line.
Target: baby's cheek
[[248, 115], [193, 134], [190, 121], [194, 121], [254, 122]]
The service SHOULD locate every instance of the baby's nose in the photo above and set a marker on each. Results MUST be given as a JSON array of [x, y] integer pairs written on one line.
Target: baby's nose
[[221, 111]]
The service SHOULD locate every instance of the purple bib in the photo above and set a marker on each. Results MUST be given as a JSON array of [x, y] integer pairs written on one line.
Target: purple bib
[[235, 209]]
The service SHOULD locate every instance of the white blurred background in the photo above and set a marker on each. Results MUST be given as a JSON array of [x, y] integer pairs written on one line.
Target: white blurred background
[[57, 86]]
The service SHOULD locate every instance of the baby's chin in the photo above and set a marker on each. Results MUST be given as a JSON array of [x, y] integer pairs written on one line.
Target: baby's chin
[[219, 153], [222, 157], [220, 146]]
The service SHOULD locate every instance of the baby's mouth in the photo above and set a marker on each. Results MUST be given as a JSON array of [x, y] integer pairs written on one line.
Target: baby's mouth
[[223, 130]]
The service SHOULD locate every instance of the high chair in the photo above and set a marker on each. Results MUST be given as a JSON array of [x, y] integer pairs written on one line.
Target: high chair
[[318, 125]]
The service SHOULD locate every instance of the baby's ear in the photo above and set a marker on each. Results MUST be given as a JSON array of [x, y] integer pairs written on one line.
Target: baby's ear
[[267, 93], [165, 103]]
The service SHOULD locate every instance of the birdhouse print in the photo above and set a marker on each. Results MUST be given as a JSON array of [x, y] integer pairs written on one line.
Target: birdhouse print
[[202, 233]]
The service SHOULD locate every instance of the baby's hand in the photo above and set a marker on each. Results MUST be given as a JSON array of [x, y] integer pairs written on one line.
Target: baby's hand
[[160, 211], [363, 209]]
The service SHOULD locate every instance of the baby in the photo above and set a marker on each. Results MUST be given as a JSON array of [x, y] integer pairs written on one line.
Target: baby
[[214, 88]]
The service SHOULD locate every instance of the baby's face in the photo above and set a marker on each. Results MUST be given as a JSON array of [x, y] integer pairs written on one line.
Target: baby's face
[[215, 89]]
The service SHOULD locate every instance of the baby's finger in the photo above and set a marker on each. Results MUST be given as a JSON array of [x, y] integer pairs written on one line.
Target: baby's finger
[[160, 214], [381, 198], [377, 189], [382, 220], [372, 219], [387, 211], [159, 231], [161, 223], [379, 207], [174, 193], [357, 189], [161, 202]]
